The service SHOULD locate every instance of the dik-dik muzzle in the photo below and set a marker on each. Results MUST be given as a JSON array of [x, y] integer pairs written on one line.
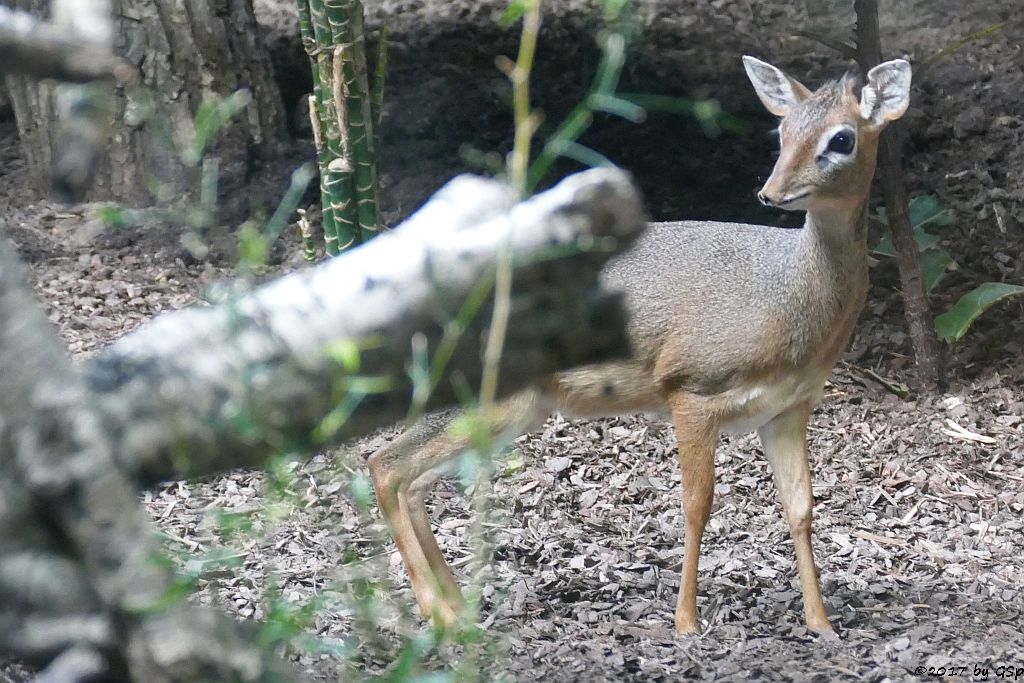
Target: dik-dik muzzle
[[828, 138]]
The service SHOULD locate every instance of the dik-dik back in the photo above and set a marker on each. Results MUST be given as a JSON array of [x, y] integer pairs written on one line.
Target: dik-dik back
[[734, 327]]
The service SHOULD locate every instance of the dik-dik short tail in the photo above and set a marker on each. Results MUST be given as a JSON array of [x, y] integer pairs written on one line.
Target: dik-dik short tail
[[734, 327]]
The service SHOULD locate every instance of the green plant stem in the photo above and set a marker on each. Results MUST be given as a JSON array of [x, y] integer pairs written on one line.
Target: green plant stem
[[613, 56], [343, 195], [519, 165], [519, 74], [306, 231]]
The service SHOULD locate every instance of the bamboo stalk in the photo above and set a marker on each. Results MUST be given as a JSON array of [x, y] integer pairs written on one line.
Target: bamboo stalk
[[346, 22], [336, 182], [309, 42], [330, 226], [306, 230], [341, 169]]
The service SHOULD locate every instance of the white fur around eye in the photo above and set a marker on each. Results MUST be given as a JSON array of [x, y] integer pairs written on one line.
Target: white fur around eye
[[836, 157]]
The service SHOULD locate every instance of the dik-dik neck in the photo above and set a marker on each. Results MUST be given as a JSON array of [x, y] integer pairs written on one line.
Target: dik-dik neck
[[835, 238], [830, 269]]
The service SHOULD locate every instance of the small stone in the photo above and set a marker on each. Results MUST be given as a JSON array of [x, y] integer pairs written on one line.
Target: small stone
[[558, 464], [971, 121]]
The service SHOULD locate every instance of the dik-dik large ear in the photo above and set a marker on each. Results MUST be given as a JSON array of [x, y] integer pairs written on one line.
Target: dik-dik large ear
[[887, 94], [778, 92]]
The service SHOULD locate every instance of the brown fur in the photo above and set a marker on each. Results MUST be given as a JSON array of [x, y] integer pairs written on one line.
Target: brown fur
[[734, 327]]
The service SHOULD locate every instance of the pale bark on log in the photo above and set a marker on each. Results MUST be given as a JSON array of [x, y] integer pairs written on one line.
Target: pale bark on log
[[78, 584]]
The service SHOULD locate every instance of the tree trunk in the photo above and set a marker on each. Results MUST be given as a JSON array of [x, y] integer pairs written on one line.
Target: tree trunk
[[185, 51], [927, 354]]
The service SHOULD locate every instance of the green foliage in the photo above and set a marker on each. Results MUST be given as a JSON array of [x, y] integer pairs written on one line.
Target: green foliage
[[934, 263], [924, 211], [927, 211], [603, 96], [192, 147], [955, 322], [613, 40], [212, 117], [708, 113]]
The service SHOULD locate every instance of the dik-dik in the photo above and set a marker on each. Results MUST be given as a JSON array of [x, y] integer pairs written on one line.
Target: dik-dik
[[733, 327]]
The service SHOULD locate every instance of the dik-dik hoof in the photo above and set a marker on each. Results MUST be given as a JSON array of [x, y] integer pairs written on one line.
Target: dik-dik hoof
[[445, 615], [686, 627], [821, 626]]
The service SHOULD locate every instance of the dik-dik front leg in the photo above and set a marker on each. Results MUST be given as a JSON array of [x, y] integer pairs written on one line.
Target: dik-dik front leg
[[785, 445], [697, 435]]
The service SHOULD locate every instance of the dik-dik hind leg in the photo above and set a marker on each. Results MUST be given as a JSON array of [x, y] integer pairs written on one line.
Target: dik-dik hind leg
[[395, 468], [697, 434], [785, 445], [416, 502], [403, 473]]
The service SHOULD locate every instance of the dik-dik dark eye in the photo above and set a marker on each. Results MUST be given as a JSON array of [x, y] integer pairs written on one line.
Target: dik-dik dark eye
[[842, 142]]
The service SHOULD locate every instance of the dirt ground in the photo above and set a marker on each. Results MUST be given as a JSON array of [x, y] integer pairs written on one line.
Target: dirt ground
[[919, 523]]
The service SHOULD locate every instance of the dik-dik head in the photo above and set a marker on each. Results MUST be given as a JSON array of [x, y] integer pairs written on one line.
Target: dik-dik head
[[829, 137]]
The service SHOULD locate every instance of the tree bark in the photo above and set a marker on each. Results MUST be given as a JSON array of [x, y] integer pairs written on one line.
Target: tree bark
[[927, 353], [183, 51], [206, 390]]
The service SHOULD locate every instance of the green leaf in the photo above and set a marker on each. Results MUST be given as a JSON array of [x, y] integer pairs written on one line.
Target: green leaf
[[617, 106], [212, 116], [933, 267], [512, 13], [926, 209], [253, 247], [584, 155], [955, 322], [925, 241], [346, 352], [113, 216]]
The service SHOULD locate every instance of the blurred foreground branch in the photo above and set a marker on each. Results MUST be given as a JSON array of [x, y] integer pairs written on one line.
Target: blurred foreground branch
[[394, 325], [31, 47], [76, 48]]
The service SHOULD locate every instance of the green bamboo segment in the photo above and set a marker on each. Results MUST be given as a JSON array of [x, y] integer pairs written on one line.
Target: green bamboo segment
[[346, 20], [340, 170], [364, 151], [306, 231], [323, 161], [344, 117], [306, 29], [336, 183], [322, 155]]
